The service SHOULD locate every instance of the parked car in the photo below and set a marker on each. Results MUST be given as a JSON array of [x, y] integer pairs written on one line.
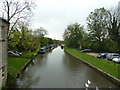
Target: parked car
[[116, 60], [86, 50], [11, 53], [110, 56], [102, 55], [17, 52]]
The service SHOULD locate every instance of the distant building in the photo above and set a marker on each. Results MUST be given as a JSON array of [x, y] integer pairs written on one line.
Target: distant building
[[3, 51]]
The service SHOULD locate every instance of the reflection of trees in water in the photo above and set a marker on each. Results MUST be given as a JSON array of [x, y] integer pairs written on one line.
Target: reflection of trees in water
[[75, 67], [71, 63], [28, 81], [41, 60], [27, 78], [74, 71]]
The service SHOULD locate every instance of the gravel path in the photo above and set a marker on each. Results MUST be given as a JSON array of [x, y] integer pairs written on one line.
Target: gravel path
[[92, 54]]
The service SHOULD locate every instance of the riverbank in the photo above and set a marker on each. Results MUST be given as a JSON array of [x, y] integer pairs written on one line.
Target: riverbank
[[15, 66], [108, 68]]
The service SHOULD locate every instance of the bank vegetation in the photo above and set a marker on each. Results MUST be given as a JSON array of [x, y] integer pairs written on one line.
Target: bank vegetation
[[102, 33]]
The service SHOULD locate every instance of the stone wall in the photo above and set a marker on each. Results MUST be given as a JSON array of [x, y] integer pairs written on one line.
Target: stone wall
[[3, 51]]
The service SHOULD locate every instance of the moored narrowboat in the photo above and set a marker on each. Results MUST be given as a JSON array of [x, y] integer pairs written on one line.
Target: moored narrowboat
[[42, 51]]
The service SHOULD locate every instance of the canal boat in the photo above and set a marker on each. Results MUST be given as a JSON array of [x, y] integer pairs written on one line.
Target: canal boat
[[42, 51], [62, 46]]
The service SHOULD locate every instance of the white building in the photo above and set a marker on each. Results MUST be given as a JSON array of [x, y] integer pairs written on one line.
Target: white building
[[3, 51]]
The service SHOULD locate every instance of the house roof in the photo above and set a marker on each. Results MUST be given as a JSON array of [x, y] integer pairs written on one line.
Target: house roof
[[3, 20]]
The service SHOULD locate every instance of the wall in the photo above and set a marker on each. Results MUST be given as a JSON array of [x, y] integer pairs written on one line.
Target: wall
[[3, 51]]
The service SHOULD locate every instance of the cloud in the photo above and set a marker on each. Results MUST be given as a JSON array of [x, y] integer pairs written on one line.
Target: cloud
[[55, 15]]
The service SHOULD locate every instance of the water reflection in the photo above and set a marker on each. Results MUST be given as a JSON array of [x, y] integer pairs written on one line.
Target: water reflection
[[77, 69], [57, 69]]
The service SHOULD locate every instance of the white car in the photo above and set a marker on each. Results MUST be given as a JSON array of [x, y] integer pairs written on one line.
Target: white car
[[116, 60], [11, 53]]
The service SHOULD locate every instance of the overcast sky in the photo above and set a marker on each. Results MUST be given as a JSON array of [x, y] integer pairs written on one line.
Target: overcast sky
[[55, 15]]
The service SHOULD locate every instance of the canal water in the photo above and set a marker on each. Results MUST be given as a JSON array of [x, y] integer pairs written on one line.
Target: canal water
[[57, 69]]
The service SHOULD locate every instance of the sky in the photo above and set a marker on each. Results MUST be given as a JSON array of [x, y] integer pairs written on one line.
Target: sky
[[55, 15]]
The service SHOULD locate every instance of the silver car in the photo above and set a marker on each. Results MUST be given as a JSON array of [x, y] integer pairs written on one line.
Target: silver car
[[110, 56]]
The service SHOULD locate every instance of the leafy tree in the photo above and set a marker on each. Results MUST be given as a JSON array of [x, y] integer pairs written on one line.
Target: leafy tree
[[114, 27], [44, 41], [73, 35], [14, 39], [16, 10], [110, 45], [22, 38], [97, 27], [50, 41], [86, 41], [40, 33]]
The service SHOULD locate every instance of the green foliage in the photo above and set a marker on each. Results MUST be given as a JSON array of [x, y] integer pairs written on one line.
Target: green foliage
[[44, 41], [111, 46], [97, 27], [102, 34], [10, 83], [105, 65], [28, 54], [114, 28], [40, 32], [73, 35], [15, 64], [22, 38]]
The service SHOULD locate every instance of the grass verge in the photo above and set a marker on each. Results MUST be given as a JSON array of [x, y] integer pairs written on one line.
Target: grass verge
[[28, 54], [105, 65], [14, 66]]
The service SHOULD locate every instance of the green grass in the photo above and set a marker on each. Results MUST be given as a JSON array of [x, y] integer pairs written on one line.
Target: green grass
[[105, 65], [16, 63], [28, 54]]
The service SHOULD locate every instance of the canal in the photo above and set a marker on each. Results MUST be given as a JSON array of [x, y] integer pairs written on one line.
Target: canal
[[57, 69]]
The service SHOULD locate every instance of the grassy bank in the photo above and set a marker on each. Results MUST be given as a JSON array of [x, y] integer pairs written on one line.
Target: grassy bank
[[15, 64], [28, 54], [105, 65]]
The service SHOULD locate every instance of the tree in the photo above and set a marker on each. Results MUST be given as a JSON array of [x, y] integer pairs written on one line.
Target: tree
[[72, 35], [16, 10], [97, 27], [86, 40], [14, 39], [114, 27], [22, 38], [40, 33], [50, 41]]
